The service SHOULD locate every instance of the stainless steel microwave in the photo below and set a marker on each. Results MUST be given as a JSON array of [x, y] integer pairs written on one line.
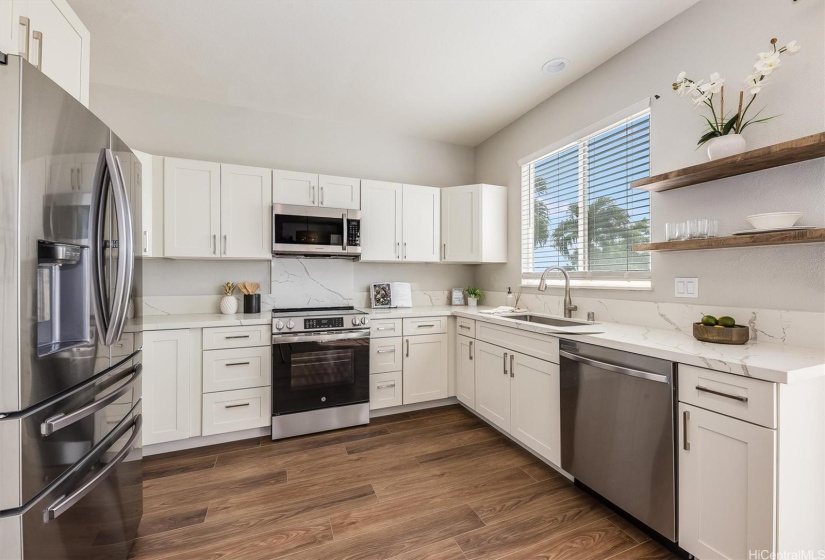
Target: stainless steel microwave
[[310, 231]]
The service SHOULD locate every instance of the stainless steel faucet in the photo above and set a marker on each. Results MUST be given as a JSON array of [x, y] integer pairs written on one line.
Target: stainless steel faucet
[[569, 308]]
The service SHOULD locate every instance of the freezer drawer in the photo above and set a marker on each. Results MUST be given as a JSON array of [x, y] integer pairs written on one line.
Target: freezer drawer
[[92, 511], [49, 439]]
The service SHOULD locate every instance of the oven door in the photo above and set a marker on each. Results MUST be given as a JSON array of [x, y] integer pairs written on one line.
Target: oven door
[[319, 370]]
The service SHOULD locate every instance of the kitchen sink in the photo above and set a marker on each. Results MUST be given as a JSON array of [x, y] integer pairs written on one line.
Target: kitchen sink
[[550, 321]]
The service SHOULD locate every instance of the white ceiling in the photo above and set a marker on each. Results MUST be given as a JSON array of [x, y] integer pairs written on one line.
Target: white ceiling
[[448, 70]]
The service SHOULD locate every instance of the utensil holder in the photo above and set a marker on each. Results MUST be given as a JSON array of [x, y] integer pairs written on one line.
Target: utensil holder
[[252, 303]]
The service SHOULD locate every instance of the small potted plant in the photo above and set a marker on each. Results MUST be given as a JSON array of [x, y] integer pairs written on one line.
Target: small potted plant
[[473, 295], [229, 305]]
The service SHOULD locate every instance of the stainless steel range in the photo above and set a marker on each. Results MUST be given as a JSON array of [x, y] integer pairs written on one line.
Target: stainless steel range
[[320, 370]]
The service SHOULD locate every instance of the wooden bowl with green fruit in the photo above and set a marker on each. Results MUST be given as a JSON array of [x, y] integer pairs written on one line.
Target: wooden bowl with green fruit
[[723, 330]]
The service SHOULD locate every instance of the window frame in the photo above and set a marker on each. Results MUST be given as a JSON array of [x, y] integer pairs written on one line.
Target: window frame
[[627, 280]]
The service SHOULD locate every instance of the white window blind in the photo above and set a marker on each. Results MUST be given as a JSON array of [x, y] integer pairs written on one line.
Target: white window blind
[[578, 210]]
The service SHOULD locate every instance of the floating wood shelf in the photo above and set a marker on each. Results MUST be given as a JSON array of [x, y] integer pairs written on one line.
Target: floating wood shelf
[[794, 151], [755, 240]]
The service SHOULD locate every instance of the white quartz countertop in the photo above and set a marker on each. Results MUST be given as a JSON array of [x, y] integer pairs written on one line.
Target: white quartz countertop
[[196, 321], [770, 362]]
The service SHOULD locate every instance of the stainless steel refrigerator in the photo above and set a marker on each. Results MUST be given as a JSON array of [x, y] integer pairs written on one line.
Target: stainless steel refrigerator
[[70, 407]]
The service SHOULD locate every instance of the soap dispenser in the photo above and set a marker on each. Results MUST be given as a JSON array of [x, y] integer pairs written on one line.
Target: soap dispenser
[[510, 299]]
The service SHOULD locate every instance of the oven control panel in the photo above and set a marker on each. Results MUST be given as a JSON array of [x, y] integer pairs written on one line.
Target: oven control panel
[[323, 323]]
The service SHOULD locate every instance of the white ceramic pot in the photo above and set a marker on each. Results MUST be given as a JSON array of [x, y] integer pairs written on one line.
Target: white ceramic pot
[[472, 301], [229, 305], [726, 146]]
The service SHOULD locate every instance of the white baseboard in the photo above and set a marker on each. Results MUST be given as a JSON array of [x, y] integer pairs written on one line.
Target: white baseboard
[[203, 441], [411, 407]]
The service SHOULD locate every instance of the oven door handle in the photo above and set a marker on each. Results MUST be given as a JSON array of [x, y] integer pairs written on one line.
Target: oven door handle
[[319, 337], [659, 378]]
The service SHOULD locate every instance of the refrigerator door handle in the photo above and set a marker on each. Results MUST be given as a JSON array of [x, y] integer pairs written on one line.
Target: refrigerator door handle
[[100, 199], [65, 503], [62, 420]]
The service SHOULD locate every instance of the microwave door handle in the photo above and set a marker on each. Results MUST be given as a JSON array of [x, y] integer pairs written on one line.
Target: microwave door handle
[[100, 196], [126, 249], [346, 232], [65, 503]]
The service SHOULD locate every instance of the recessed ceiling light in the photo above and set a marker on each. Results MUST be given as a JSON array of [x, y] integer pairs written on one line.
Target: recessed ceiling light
[[555, 65]]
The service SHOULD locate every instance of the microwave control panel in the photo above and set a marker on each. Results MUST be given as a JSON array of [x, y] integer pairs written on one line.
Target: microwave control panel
[[354, 233]]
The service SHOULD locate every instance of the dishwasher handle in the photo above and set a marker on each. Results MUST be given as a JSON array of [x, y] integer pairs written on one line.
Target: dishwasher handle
[[659, 378]]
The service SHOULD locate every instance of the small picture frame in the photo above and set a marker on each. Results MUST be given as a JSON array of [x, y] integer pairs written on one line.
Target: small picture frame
[[381, 295], [457, 296]]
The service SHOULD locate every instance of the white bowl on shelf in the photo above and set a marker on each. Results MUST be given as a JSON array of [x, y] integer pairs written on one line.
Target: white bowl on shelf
[[774, 220]]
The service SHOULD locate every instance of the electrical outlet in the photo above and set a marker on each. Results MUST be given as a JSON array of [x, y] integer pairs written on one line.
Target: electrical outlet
[[687, 287]]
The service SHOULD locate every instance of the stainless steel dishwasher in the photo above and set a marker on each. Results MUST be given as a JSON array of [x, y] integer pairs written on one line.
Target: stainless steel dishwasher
[[618, 430]]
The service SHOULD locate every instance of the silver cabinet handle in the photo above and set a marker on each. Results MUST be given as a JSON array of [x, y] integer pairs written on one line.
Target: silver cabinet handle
[[236, 336], [408, 347], [225, 244], [62, 420], [405, 250], [71, 176], [512, 369], [685, 418], [25, 23], [38, 36], [464, 327], [321, 197], [237, 364], [312, 193], [145, 241], [387, 386], [726, 395], [386, 328], [236, 405], [445, 252], [505, 363], [425, 326], [398, 250], [214, 244], [389, 351], [65, 503], [471, 350]]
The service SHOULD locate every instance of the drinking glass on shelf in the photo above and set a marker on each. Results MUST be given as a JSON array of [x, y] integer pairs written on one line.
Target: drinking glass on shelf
[[713, 228], [671, 231], [700, 228]]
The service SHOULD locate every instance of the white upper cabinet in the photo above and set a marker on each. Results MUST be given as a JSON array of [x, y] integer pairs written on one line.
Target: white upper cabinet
[[246, 201], [474, 224], [192, 208], [309, 189], [399, 222], [421, 219], [214, 210], [50, 36], [147, 186], [380, 221], [294, 187], [339, 192]]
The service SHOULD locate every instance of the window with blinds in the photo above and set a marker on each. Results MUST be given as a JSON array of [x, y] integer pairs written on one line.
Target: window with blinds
[[578, 210]]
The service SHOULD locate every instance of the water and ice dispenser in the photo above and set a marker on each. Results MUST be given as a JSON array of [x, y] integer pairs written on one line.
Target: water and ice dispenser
[[63, 296]]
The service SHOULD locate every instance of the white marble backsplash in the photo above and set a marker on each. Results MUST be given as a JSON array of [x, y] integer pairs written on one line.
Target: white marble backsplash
[[794, 328], [311, 282]]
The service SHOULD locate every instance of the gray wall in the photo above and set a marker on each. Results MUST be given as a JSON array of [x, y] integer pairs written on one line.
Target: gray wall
[[177, 127], [712, 36]]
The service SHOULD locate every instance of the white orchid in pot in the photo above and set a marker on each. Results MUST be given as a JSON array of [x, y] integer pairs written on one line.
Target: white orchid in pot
[[724, 130]]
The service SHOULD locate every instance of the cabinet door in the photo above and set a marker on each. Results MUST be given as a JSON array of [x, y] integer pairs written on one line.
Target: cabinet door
[[385, 354], [165, 386], [726, 485], [62, 47], [142, 172], [535, 418], [11, 30], [380, 221], [339, 192], [460, 223], [492, 384], [385, 390], [465, 370], [425, 368], [421, 224], [294, 187], [246, 212], [192, 208]]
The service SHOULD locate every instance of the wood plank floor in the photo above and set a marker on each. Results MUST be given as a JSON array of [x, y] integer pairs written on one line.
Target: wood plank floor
[[436, 484]]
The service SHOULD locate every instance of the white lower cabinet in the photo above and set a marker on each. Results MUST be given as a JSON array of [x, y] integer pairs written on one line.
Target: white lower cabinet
[[236, 368], [516, 392], [230, 411], [425, 367], [465, 370], [492, 384], [727, 492], [385, 355], [385, 390], [166, 399]]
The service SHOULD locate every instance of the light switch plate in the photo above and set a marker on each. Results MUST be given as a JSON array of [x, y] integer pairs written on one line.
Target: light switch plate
[[687, 288]]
